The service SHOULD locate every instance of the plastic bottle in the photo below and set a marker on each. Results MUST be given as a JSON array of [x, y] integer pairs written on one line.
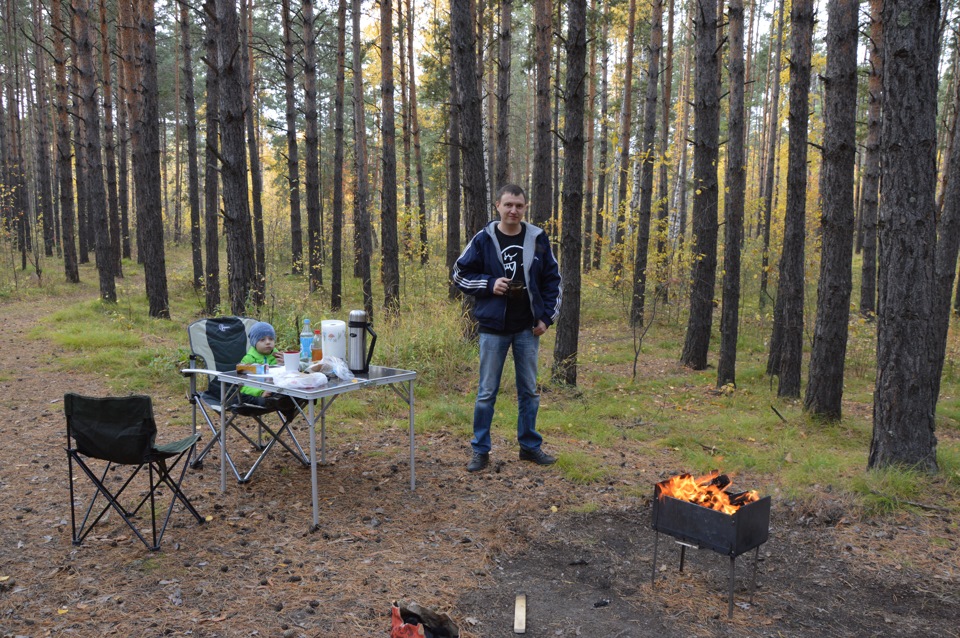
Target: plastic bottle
[[316, 348], [306, 340]]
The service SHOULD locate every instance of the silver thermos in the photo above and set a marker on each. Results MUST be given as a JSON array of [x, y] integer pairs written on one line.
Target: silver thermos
[[358, 359]]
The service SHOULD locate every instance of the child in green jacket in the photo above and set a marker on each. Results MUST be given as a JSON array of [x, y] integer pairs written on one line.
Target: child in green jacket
[[263, 341]]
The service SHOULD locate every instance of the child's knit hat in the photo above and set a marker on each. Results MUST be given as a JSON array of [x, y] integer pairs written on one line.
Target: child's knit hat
[[260, 330]]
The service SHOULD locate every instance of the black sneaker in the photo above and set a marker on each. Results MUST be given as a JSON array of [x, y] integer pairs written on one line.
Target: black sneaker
[[478, 462], [538, 456]]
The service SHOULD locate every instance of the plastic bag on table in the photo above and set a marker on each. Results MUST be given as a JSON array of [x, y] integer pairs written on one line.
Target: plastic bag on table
[[334, 366], [310, 381]]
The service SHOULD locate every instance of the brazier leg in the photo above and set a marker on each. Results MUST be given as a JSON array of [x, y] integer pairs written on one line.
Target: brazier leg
[[733, 563], [683, 553], [653, 570], [756, 559]]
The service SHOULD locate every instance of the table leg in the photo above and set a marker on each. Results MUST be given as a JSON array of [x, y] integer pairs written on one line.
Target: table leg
[[223, 437], [313, 463], [323, 430], [413, 471]]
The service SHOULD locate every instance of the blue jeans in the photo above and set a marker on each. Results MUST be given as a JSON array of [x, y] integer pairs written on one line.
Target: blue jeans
[[493, 354]]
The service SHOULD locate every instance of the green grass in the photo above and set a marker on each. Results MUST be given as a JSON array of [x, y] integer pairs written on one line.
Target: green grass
[[665, 409]]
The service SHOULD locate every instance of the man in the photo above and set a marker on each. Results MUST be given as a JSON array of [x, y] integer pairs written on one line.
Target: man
[[509, 267]]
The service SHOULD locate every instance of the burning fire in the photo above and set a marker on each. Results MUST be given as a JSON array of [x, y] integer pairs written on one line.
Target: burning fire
[[708, 490]]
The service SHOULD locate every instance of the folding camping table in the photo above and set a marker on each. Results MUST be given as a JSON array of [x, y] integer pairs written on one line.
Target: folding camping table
[[326, 395]]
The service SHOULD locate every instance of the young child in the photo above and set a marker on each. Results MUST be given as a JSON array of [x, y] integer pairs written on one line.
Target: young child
[[263, 340]]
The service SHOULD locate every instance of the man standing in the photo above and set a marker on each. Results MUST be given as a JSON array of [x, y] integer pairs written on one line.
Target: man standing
[[511, 271]]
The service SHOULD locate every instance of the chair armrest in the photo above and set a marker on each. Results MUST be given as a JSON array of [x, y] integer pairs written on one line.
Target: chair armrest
[[195, 371]]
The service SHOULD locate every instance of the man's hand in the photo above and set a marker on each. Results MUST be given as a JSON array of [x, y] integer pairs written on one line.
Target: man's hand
[[539, 329], [500, 286]]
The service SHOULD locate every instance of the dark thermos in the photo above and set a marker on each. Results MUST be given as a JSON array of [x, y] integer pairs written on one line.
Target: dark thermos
[[358, 358]]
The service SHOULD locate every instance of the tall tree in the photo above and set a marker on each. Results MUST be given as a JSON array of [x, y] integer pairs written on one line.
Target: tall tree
[[663, 197], [311, 141], [773, 133], [626, 115], [542, 194], [256, 175], [211, 191], [336, 272], [825, 385], [786, 344], [871, 163], [80, 164], [453, 179], [903, 398], [568, 326], [241, 267], [123, 143], [44, 197], [463, 48], [706, 143], [736, 184], [503, 93], [90, 112], [193, 170], [647, 162], [604, 142], [590, 116], [361, 214], [390, 264], [417, 150], [64, 171], [293, 153]]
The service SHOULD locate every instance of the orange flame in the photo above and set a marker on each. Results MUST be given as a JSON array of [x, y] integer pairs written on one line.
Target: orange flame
[[708, 490]]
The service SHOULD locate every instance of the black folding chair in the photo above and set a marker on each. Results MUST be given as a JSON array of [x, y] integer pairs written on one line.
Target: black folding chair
[[221, 343], [122, 432]]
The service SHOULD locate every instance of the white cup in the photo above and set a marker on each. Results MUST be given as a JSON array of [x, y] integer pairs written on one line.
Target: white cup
[[291, 361]]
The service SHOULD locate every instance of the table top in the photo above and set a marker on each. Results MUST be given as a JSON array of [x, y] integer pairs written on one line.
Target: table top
[[378, 375]]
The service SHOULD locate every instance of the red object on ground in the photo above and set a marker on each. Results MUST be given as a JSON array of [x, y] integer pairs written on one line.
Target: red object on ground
[[401, 629]]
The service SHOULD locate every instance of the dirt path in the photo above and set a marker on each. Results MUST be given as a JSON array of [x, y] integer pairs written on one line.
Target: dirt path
[[462, 544]]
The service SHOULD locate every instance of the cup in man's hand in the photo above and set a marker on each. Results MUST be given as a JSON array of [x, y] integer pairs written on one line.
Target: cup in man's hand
[[515, 290]]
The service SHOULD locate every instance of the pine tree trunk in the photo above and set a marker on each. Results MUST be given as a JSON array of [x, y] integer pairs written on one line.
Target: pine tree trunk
[[903, 418], [626, 114], [590, 116], [361, 214], [253, 150], [311, 136], [80, 163], [123, 138], [293, 154], [706, 153], [390, 266], [193, 170], [424, 249], [568, 326], [647, 162], [542, 196], [44, 196], [405, 217], [211, 192], [336, 267], [825, 385], [241, 267], [871, 163], [773, 133], [604, 143], [90, 112], [735, 189], [463, 46], [503, 94], [786, 344], [64, 171], [453, 180], [663, 197]]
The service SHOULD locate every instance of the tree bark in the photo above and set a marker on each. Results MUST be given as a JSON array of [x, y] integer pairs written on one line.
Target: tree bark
[[825, 386], [503, 94], [336, 257], [773, 133], [241, 267], [871, 163], [647, 162], [736, 184], [604, 143], [542, 195], [590, 117], [453, 180], [626, 114], [463, 47], [44, 196], [424, 248], [193, 170], [390, 264], [293, 154], [211, 192], [253, 149], [311, 137], [568, 326], [64, 171], [903, 418], [706, 143], [663, 197], [361, 214], [80, 163]]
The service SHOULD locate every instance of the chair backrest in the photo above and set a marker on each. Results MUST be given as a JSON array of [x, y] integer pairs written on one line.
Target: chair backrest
[[117, 429], [220, 341]]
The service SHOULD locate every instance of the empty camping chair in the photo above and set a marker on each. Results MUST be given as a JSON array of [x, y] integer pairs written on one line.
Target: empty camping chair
[[220, 344], [121, 431]]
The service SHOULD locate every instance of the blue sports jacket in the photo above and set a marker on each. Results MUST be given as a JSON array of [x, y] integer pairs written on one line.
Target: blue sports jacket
[[480, 265]]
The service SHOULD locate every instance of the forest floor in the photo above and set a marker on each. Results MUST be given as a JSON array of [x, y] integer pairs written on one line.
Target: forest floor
[[461, 544]]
